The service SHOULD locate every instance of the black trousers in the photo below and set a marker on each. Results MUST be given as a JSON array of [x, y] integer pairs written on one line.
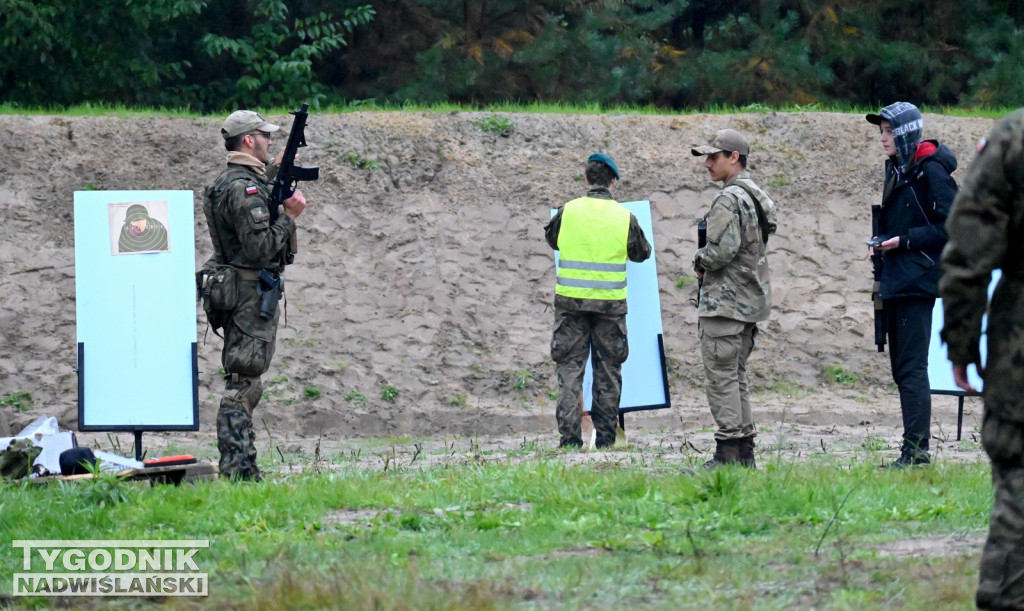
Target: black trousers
[[909, 323]]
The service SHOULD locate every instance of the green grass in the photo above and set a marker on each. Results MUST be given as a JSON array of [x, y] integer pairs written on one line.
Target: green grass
[[520, 379], [20, 400], [835, 374], [354, 396], [538, 531], [684, 281], [496, 125]]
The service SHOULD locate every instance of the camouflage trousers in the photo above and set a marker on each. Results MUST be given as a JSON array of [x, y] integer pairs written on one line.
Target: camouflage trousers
[[601, 338], [725, 345], [1001, 577], [249, 343]]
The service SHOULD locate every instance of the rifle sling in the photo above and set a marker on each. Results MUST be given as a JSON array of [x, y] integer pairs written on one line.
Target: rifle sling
[[762, 220]]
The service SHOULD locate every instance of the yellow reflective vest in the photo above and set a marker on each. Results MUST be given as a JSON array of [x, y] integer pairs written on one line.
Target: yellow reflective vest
[[592, 249]]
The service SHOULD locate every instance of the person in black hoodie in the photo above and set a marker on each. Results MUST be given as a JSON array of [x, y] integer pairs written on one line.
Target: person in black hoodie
[[916, 199]]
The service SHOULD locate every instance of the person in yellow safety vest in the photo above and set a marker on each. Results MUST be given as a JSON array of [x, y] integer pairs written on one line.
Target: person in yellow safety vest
[[595, 235]]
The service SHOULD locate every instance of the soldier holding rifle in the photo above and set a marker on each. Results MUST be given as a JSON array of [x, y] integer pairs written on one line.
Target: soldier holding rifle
[[735, 292], [242, 283]]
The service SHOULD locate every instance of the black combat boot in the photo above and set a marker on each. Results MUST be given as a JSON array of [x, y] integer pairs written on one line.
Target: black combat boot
[[746, 452], [727, 452], [914, 453]]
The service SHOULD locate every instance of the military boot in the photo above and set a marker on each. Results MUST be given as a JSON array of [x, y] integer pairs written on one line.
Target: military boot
[[236, 441], [914, 453], [746, 452], [727, 452]]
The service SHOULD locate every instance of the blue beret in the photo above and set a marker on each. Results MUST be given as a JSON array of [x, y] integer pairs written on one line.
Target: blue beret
[[605, 159]]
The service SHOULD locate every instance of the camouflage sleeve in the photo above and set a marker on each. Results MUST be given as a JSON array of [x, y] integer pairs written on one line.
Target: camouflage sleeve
[[724, 238], [248, 213], [978, 237], [552, 228], [637, 247]]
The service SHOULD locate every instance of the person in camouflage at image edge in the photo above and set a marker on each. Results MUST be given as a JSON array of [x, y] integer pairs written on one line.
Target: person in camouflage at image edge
[[985, 229], [595, 236], [236, 209], [735, 292]]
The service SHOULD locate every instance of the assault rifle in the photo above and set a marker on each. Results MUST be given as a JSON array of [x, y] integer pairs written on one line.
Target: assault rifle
[[876, 286], [702, 241], [288, 175]]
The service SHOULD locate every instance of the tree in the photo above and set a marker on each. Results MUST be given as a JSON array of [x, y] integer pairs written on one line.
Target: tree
[[271, 62], [61, 52]]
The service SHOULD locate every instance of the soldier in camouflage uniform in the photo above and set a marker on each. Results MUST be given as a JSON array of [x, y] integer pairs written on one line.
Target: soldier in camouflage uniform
[[595, 236], [984, 229], [735, 293], [244, 239]]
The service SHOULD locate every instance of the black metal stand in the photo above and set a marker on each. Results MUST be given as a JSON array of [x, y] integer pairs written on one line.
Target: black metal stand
[[960, 418], [138, 445], [959, 394]]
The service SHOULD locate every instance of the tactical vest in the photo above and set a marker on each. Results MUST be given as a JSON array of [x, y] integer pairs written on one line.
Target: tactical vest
[[226, 247], [592, 250]]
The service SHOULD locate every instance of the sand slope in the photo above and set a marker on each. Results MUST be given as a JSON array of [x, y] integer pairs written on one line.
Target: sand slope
[[426, 269]]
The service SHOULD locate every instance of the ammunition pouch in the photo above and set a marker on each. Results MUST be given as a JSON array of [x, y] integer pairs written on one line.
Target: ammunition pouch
[[217, 290]]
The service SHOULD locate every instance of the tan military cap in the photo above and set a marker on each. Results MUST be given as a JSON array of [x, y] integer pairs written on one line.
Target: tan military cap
[[724, 140], [244, 122]]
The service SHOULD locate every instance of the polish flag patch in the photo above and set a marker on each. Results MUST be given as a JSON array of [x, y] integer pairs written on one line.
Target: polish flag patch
[[251, 190]]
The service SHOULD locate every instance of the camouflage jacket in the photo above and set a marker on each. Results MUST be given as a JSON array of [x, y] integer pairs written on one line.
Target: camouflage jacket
[[984, 229], [735, 262], [236, 212], [638, 249]]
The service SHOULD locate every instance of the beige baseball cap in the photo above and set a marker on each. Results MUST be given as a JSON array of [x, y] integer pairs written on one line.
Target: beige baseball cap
[[724, 140], [245, 121]]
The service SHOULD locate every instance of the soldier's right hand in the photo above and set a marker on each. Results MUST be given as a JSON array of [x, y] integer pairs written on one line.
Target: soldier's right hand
[[1003, 440], [294, 205]]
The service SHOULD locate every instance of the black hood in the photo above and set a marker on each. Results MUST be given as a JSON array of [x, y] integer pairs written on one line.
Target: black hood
[[942, 156]]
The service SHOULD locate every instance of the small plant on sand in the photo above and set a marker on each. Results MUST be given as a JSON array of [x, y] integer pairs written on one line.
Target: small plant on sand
[[520, 379], [835, 374], [21, 400], [311, 392], [497, 125], [684, 281], [354, 396], [363, 163], [874, 443], [456, 401], [789, 389], [388, 393]]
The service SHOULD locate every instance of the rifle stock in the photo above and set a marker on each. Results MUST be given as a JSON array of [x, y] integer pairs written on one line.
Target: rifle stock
[[702, 241], [876, 285], [289, 175]]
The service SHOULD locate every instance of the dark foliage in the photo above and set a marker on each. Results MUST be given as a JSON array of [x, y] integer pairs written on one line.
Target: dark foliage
[[216, 56]]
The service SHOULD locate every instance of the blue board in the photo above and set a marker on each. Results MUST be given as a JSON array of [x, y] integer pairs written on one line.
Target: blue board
[[940, 368], [136, 310], [644, 376]]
